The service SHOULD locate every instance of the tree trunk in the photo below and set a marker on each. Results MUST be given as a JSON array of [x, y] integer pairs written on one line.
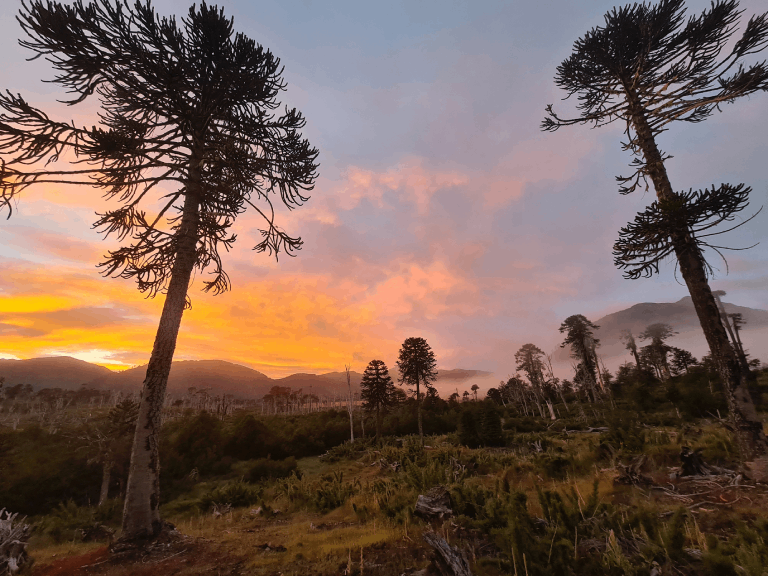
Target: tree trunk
[[749, 429], [378, 423], [738, 342], [106, 476], [349, 406], [418, 412], [739, 352], [141, 513]]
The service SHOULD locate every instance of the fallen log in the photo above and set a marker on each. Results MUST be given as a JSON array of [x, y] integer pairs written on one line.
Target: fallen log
[[449, 560], [13, 542]]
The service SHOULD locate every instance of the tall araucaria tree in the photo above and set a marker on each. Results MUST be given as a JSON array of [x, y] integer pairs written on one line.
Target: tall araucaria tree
[[417, 365], [187, 106], [579, 336], [377, 390], [647, 67]]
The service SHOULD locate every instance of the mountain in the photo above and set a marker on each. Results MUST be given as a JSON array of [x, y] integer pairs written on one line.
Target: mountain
[[53, 372], [681, 315], [223, 377], [219, 376]]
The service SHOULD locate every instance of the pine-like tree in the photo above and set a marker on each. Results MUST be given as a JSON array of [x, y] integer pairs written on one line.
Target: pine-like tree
[[658, 350], [185, 105], [579, 336], [377, 390], [647, 67], [417, 365]]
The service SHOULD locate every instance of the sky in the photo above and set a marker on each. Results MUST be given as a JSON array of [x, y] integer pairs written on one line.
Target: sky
[[441, 209]]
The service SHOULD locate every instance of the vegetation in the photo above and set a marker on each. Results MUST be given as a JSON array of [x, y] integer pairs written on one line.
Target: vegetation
[[525, 491], [639, 472], [188, 106], [648, 68], [418, 367]]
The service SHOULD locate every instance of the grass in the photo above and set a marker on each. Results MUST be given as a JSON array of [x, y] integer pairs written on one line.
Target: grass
[[549, 494]]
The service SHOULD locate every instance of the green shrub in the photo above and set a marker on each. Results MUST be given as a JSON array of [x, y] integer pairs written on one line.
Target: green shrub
[[266, 469], [237, 494]]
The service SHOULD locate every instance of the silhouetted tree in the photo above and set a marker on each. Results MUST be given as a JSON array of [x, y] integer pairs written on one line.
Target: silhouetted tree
[[656, 352], [631, 345], [530, 359], [718, 294], [579, 336], [647, 68], [376, 390], [186, 105], [417, 365], [738, 321], [682, 360], [491, 433], [468, 432], [492, 394], [474, 389]]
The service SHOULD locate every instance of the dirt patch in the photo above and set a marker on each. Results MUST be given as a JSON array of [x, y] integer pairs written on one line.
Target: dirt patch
[[72, 565]]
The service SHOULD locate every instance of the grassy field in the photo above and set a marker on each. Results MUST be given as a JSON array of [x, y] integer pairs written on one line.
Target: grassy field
[[551, 502]]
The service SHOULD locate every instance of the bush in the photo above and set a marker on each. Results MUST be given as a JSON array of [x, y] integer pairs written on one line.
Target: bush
[[266, 469], [237, 494]]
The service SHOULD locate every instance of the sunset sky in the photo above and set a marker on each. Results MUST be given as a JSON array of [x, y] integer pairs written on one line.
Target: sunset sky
[[441, 209]]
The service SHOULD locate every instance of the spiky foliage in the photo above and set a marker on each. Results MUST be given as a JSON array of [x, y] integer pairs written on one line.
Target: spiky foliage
[[377, 390], [579, 336], [417, 365], [647, 67], [179, 101], [185, 105]]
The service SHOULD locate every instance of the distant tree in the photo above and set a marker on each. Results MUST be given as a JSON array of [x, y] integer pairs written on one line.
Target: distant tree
[[491, 433], [738, 321], [656, 352], [465, 396], [530, 359], [646, 68], [453, 398], [377, 390], [579, 336], [187, 105], [417, 365], [631, 345], [492, 394], [469, 434], [474, 389], [681, 361]]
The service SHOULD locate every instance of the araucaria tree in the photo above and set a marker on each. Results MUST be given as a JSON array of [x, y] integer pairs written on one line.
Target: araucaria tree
[[656, 352], [647, 67], [579, 336], [187, 106], [417, 365], [377, 390], [530, 359]]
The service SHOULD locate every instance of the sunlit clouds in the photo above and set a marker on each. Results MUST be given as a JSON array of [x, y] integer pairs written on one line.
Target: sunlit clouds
[[441, 210]]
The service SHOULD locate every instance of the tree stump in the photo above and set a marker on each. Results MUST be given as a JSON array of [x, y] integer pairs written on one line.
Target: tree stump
[[449, 560], [435, 504]]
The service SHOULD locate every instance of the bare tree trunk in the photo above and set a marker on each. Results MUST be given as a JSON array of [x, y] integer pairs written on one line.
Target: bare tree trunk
[[141, 513], [349, 406], [739, 352], [551, 410], [749, 429], [738, 342], [106, 476], [418, 412]]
